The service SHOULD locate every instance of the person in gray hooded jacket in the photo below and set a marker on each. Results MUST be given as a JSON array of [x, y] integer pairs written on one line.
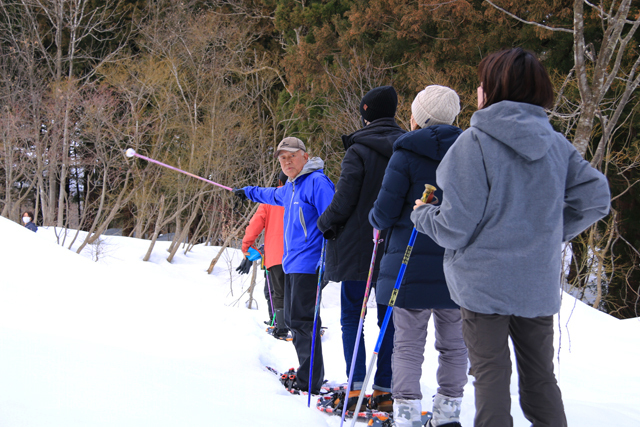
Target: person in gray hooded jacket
[[513, 190]]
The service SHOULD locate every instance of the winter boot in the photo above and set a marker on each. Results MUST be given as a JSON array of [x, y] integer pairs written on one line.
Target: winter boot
[[337, 402], [353, 401], [381, 401], [287, 336], [446, 411], [407, 413], [280, 331]]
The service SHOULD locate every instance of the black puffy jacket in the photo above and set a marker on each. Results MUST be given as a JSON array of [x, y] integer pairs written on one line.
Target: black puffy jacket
[[344, 223], [416, 155]]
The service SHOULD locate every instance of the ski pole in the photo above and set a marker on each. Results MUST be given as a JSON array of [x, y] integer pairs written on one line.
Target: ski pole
[[426, 198], [315, 319], [376, 235], [270, 297], [131, 152]]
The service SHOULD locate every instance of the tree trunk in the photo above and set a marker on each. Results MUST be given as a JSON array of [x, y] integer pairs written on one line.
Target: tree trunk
[[254, 271], [185, 229], [96, 231], [156, 231]]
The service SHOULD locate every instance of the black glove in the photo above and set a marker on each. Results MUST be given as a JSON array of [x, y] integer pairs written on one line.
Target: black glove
[[245, 266], [239, 192]]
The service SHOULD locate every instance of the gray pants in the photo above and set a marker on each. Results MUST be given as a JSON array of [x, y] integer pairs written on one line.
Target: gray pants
[[408, 352], [487, 337]]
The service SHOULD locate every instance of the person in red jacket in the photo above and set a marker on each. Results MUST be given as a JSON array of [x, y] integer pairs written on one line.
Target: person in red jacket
[[270, 219]]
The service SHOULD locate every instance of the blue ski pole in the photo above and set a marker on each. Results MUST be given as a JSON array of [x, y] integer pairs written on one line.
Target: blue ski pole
[[426, 197], [315, 319], [376, 236]]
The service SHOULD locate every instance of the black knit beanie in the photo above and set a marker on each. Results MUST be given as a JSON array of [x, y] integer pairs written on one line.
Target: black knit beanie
[[379, 102]]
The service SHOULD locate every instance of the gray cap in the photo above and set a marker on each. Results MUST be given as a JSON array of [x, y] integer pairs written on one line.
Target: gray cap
[[291, 144]]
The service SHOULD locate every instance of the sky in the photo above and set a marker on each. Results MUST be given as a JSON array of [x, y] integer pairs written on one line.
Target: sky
[[103, 338]]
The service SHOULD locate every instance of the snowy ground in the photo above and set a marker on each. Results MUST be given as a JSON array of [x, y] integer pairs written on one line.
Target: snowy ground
[[121, 342]]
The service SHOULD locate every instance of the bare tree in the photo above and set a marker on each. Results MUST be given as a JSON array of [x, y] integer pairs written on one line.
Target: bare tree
[[616, 61], [69, 38]]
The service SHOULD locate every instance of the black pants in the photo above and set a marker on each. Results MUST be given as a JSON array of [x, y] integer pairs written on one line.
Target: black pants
[[274, 288], [486, 336], [299, 309]]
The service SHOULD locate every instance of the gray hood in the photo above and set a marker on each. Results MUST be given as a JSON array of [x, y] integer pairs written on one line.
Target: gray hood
[[523, 127], [312, 165], [512, 191]]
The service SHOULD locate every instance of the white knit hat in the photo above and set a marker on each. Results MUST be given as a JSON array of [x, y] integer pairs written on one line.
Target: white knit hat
[[435, 105]]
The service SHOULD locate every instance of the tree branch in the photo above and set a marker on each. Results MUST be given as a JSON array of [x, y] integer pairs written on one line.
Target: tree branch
[[565, 30], [257, 70]]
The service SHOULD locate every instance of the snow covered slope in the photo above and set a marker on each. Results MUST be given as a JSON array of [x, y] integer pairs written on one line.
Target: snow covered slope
[[105, 339]]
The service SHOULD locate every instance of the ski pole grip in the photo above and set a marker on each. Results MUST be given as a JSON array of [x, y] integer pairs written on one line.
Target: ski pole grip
[[427, 196]]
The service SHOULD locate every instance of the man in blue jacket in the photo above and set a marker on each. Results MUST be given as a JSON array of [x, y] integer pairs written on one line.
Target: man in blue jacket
[[305, 196]]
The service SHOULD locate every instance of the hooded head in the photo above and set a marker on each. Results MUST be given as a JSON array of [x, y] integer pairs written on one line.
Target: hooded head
[[435, 105]]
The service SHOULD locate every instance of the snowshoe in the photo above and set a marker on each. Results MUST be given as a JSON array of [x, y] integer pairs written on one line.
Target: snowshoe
[[288, 380], [333, 403], [379, 420], [288, 336]]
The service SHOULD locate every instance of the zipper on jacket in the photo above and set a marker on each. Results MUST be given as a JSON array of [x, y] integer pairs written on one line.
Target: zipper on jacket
[[304, 225], [286, 228]]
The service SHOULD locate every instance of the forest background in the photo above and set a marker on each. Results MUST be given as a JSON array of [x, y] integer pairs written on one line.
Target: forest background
[[211, 87]]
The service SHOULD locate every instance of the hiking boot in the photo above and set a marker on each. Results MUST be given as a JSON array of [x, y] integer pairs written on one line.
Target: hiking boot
[[380, 401], [337, 401], [407, 412], [280, 330], [282, 334], [353, 401]]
